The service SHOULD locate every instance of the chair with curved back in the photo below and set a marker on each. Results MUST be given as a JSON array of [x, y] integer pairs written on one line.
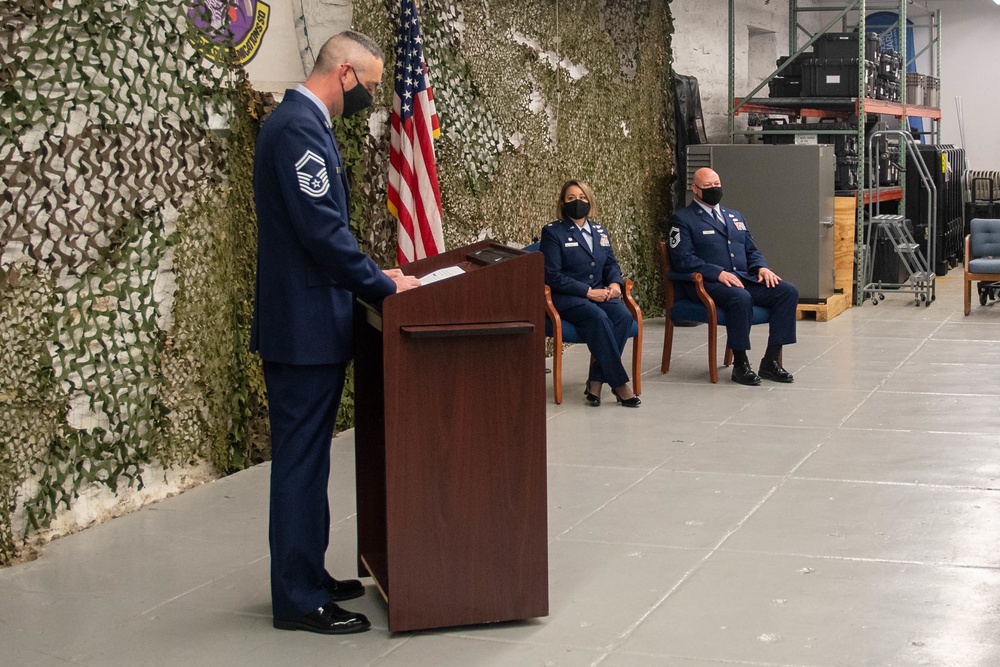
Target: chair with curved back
[[564, 332], [982, 259], [679, 308]]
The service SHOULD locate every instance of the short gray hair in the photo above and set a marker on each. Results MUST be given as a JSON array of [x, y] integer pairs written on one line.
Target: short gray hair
[[343, 47]]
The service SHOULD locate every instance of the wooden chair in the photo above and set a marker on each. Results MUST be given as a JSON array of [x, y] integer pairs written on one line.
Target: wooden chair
[[677, 307], [565, 332], [982, 257]]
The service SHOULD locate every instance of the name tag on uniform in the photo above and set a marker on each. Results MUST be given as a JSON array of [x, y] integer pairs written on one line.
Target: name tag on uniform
[[708, 231], [572, 244]]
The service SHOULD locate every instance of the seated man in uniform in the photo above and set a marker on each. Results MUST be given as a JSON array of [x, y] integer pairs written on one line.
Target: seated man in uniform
[[714, 241]]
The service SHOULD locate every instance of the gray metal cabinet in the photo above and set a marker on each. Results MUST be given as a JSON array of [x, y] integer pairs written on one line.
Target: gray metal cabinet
[[786, 195]]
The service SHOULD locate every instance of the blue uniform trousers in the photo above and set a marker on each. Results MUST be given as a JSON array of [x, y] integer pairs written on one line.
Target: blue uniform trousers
[[303, 403], [737, 303], [604, 327]]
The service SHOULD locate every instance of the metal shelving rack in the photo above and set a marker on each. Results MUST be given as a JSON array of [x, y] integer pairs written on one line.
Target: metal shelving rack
[[858, 108]]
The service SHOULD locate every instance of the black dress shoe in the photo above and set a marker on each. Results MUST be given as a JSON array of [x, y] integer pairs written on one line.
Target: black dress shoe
[[772, 370], [348, 589], [633, 402], [593, 399], [327, 620], [743, 374]]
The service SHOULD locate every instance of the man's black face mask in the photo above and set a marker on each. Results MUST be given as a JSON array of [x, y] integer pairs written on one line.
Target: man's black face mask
[[356, 99], [711, 196]]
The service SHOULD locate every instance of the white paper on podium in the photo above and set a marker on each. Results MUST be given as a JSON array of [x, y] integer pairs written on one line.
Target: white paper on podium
[[441, 274]]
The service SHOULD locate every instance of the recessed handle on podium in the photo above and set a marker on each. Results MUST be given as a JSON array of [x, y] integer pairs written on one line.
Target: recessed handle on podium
[[458, 330]]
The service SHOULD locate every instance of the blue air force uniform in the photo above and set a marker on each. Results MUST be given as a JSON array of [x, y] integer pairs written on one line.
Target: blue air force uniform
[[309, 267], [700, 243], [572, 266]]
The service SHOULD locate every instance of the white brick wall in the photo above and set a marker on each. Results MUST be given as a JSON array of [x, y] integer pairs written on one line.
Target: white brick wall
[[701, 49]]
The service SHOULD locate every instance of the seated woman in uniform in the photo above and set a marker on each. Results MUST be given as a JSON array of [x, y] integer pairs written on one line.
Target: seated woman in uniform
[[586, 284]]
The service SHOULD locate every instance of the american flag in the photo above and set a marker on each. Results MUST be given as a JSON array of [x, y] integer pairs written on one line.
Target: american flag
[[414, 196]]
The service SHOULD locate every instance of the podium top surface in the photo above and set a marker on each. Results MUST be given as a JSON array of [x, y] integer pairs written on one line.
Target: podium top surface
[[492, 283]]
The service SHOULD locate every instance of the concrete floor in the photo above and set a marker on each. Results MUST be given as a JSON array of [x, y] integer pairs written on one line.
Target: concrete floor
[[851, 518]]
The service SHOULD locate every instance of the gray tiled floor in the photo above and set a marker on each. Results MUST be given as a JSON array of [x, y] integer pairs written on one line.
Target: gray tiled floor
[[851, 518]]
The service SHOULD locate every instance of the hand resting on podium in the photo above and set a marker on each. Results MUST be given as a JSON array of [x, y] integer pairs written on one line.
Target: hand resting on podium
[[403, 282]]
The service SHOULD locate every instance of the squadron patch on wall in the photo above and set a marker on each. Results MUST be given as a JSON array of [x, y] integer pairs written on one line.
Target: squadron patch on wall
[[311, 172], [229, 30], [675, 237]]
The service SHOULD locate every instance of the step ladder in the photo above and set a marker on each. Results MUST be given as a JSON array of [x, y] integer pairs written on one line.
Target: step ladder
[[916, 258], [920, 279]]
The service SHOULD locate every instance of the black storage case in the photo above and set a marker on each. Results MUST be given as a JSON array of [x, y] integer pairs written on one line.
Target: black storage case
[[844, 45], [946, 165], [888, 166], [836, 78], [881, 89], [845, 146], [893, 177], [887, 267], [846, 177], [794, 69], [781, 86], [895, 91], [889, 66], [779, 124], [888, 162]]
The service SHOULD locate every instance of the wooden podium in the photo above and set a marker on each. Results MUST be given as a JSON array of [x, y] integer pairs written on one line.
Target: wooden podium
[[450, 442]]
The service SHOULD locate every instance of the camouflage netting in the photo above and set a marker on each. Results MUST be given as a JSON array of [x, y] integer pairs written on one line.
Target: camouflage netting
[[127, 231], [126, 263], [530, 95]]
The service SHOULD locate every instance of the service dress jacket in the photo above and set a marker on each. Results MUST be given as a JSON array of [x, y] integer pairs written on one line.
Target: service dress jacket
[[698, 243], [571, 268], [309, 265]]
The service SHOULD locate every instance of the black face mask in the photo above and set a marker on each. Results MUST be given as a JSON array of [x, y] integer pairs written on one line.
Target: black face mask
[[356, 99], [711, 196], [576, 209]]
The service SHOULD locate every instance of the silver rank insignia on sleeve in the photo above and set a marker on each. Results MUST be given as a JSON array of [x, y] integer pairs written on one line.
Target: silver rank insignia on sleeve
[[311, 173]]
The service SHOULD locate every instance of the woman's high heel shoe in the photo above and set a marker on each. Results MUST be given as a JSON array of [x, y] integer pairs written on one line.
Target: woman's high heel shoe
[[633, 402], [593, 399]]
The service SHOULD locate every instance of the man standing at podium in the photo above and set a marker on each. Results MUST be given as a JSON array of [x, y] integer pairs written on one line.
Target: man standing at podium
[[309, 267]]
